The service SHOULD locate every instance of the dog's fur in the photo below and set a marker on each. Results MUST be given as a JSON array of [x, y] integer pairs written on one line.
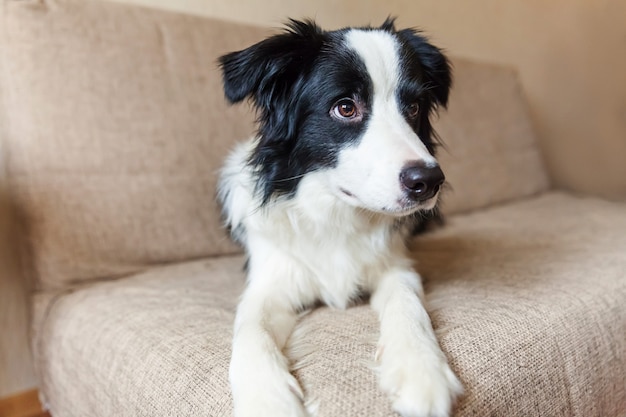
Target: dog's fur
[[319, 201]]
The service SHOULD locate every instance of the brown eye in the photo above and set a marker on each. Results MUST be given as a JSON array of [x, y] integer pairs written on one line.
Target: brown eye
[[345, 109], [413, 110]]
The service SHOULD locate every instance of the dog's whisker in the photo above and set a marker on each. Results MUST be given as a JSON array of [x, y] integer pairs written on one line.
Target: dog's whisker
[[295, 177]]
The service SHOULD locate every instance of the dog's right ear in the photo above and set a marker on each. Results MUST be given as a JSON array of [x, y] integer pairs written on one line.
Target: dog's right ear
[[267, 71]]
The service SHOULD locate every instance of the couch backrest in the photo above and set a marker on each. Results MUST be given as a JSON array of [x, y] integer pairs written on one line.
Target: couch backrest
[[114, 124], [491, 153]]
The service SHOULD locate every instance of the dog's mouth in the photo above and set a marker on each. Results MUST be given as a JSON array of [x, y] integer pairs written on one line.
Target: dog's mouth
[[403, 207]]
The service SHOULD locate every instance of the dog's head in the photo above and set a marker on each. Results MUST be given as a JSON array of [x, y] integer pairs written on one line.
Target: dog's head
[[351, 105]]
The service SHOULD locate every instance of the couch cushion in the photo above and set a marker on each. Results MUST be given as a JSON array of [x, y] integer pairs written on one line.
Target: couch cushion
[[527, 300]]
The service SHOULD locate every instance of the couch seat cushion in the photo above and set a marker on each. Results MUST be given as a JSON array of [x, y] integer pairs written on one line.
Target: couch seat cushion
[[527, 299]]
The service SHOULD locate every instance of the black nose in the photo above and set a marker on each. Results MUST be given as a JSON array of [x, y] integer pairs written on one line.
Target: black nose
[[420, 181]]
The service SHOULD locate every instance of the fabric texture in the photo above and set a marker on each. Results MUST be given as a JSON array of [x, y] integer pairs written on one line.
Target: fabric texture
[[526, 299], [490, 153], [114, 125]]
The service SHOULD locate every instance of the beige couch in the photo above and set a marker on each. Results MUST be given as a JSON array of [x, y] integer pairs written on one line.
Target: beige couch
[[113, 125]]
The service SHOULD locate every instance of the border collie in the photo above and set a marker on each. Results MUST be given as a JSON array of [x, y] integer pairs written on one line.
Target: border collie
[[324, 197]]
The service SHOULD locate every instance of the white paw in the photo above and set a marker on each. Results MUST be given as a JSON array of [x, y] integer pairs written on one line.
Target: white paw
[[418, 384], [267, 391]]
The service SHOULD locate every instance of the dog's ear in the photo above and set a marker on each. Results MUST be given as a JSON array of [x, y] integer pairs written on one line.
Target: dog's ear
[[437, 71], [389, 24], [267, 70]]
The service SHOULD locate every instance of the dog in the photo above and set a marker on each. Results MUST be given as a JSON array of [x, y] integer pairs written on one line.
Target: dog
[[323, 199]]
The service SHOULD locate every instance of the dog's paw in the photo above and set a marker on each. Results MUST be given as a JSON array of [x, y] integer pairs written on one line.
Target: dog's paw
[[278, 394], [418, 386], [271, 402]]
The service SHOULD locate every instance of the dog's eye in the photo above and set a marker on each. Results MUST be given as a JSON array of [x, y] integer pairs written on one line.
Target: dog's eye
[[345, 108], [413, 110]]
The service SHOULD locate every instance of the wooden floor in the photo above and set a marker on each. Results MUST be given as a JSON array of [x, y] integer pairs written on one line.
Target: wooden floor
[[25, 404]]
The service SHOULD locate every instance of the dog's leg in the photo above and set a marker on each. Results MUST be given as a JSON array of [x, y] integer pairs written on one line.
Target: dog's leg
[[412, 368], [259, 372]]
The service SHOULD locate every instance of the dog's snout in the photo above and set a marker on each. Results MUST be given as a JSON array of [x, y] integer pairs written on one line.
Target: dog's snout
[[421, 182]]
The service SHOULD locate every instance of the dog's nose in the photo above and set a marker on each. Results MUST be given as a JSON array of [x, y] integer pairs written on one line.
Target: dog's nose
[[420, 181]]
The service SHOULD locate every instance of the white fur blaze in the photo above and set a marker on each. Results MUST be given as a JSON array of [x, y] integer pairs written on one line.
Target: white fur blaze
[[370, 170]]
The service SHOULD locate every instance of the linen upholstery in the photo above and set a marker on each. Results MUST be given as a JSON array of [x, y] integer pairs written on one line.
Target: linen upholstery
[[114, 124], [526, 298], [490, 152]]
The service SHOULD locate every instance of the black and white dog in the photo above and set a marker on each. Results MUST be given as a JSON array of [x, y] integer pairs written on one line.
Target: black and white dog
[[323, 198]]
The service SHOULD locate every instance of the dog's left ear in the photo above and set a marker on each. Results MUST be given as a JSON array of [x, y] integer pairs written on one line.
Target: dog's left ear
[[436, 68]]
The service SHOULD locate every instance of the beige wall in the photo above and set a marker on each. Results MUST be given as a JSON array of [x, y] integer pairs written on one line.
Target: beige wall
[[571, 55]]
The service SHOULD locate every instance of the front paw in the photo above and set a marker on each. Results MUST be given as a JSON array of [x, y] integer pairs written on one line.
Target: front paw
[[418, 385], [267, 394]]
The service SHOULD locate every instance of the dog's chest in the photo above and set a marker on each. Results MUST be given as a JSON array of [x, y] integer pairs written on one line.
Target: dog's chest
[[341, 259], [343, 268]]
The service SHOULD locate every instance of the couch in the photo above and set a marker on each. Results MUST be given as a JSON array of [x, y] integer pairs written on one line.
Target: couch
[[113, 125]]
